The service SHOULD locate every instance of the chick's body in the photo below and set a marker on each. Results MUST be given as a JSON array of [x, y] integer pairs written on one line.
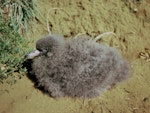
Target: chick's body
[[78, 68]]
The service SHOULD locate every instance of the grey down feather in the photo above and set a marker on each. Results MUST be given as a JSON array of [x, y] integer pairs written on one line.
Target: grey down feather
[[78, 67]]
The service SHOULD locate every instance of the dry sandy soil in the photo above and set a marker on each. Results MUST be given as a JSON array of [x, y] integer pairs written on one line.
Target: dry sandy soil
[[131, 23]]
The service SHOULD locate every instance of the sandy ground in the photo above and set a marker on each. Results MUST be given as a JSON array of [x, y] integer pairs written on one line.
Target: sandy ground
[[131, 23]]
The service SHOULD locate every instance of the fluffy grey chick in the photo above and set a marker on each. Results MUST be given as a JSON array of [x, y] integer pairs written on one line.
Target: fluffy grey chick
[[78, 67]]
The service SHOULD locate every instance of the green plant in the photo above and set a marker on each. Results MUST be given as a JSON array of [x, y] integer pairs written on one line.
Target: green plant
[[19, 12], [13, 47]]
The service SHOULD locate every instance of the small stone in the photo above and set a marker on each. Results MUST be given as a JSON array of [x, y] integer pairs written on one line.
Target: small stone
[[135, 10], [145, 99]]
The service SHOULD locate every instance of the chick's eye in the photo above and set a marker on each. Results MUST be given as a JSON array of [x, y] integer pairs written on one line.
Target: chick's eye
[[47, 49]]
